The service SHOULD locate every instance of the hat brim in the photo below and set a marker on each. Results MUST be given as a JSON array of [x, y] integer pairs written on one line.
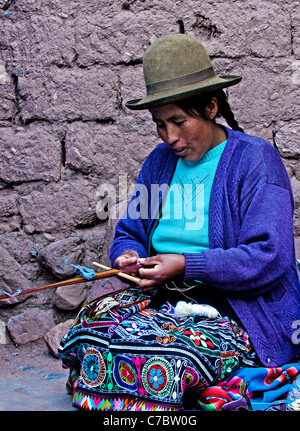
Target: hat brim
[[178, 94]]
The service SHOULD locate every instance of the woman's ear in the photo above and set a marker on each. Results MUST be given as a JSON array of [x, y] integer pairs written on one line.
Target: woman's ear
[[211, 109]]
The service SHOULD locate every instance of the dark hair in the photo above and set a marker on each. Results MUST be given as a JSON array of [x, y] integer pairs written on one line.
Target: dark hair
[[197, 105]]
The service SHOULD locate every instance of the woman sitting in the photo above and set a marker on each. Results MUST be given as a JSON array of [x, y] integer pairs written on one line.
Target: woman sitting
[[210, 225]]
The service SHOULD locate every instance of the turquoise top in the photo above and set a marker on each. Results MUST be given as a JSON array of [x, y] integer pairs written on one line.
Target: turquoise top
[[183, 226]]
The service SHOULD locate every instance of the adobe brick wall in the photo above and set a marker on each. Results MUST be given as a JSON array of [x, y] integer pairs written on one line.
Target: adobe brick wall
[[66, 69]]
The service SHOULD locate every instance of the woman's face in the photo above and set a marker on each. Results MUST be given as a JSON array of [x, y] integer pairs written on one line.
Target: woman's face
[[190, 137]]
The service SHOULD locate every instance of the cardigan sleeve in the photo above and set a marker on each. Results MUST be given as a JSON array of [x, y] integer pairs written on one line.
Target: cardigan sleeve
[[264, 249], [263, 254]]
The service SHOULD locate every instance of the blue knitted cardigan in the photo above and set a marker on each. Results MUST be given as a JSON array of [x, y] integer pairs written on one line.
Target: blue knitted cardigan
[[251, 256]]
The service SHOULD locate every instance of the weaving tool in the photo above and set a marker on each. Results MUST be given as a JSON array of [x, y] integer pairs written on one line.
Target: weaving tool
[[120, 274], [97, 276]]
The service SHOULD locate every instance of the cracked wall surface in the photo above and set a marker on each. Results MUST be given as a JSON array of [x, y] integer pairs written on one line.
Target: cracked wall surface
[[66, 70]]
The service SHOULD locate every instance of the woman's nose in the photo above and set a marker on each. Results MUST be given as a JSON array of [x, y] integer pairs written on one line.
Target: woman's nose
[[171, 136]]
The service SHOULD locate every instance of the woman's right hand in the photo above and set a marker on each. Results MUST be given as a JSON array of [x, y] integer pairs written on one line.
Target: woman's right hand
[[127, 258]]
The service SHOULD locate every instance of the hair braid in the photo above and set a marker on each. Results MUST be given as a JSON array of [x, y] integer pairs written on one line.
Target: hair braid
[[226, 112]]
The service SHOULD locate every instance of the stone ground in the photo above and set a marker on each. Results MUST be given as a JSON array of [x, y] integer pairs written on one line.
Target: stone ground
[[31, 379]]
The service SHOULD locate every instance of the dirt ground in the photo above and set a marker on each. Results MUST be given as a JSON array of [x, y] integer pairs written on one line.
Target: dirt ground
[[31, 379]]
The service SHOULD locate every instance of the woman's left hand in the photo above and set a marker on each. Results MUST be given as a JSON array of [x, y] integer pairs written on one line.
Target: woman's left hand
[[157, 270]]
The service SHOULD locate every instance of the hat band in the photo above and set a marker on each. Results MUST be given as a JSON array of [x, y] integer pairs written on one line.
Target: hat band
[[181, 81]]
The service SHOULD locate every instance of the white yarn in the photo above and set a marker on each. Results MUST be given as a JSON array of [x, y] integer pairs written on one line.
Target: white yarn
[[184, 309]]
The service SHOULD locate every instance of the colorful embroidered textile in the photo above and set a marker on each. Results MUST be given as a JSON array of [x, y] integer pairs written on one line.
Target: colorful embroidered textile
[[131, 352], [252, 389]]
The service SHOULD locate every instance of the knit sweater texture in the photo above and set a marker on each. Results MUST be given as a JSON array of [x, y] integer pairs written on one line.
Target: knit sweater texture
[[184, 221], [251, 256]]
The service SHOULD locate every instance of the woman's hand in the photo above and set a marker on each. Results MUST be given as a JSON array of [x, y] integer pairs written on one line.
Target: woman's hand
[[127, 258], [159, 269]]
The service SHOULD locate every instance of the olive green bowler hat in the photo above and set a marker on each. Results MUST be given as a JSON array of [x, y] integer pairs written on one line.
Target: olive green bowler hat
[[177, 67]]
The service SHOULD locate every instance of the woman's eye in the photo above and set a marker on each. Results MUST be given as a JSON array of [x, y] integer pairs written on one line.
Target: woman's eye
[[179, 123]]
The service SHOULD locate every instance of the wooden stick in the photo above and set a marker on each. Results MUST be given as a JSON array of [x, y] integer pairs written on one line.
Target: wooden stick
[[99, 275], [120, 274]]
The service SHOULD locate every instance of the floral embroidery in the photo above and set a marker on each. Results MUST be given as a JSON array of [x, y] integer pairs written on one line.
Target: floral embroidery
[[126, 373], [134, 329], [198, 338], [158, 376], [93, 368]]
